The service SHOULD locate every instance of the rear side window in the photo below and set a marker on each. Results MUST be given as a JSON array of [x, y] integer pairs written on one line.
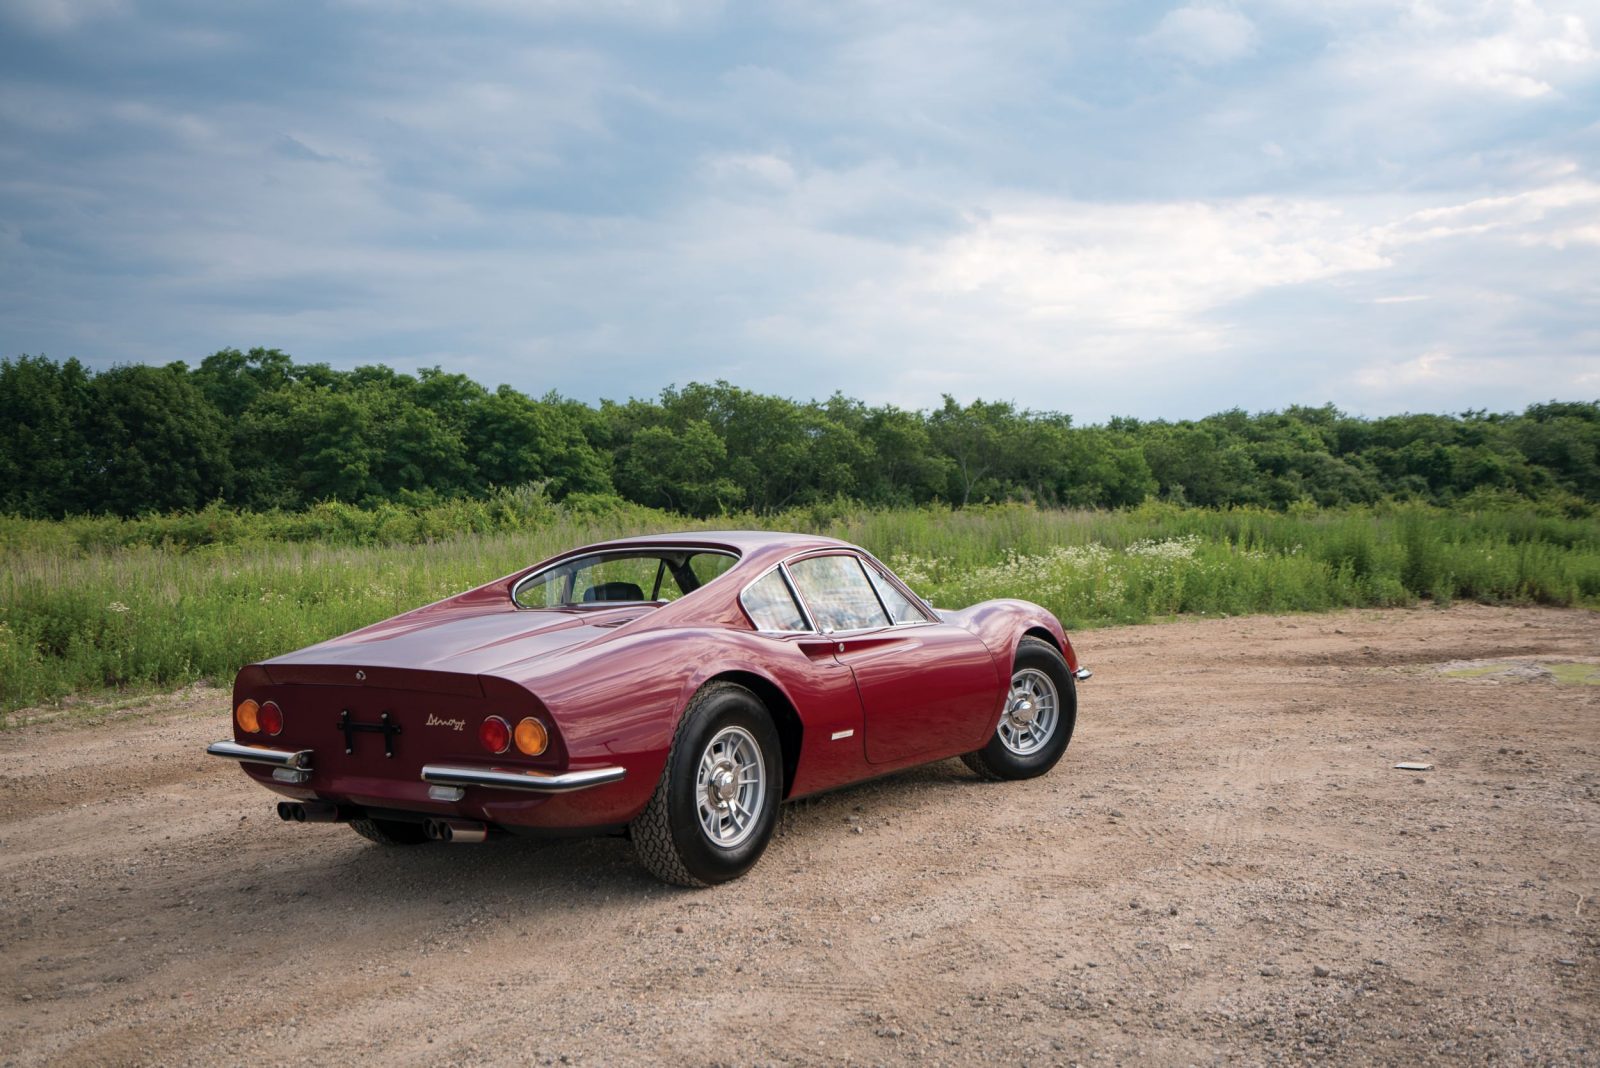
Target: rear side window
[[771, 605], [838, 593]]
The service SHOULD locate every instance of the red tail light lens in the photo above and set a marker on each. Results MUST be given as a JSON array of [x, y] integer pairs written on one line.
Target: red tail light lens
[[495, 734], [271, 718]]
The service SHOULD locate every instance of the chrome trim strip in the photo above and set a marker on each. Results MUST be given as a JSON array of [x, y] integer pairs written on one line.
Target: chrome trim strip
[[260, 754], [1082, 674], [843, 734], [799, 601], [538, 782]]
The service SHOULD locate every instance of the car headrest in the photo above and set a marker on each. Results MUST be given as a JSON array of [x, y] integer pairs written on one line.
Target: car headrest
[[614, 591]]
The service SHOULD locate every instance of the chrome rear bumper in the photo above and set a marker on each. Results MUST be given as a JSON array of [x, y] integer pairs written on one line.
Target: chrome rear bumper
[[260, 754], [533, 781]]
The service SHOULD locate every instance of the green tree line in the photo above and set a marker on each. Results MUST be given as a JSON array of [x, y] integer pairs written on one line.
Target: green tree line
[[256, 430]]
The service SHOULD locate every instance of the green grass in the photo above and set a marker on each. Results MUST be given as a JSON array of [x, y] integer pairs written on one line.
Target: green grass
[[1565, 674], [90, 604]]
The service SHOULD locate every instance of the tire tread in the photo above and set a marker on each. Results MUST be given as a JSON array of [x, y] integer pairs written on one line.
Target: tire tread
[[651, 830], [981, 763]]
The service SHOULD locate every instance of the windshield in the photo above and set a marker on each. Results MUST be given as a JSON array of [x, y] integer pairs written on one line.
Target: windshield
[[625, 576]]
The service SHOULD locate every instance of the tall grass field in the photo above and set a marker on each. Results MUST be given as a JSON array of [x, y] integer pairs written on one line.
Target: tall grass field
[[92, 604]]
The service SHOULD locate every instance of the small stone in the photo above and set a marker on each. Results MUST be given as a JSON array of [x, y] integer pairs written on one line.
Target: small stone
[[1268, 970], [679, 928], [27, 997], [1565, 963], [1319, 971], [874, 918], [1116, 814], [856, 829]]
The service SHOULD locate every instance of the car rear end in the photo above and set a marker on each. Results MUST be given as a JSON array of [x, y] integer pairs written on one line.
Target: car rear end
[[460, 754]]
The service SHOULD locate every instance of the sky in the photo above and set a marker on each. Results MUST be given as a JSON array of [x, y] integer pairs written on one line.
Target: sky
[[1155, 210]]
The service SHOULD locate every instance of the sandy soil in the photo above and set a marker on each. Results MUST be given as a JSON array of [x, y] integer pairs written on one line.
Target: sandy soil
[[1226, 868]]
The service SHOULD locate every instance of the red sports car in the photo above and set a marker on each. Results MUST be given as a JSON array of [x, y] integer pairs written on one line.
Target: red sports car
[[675, 687]]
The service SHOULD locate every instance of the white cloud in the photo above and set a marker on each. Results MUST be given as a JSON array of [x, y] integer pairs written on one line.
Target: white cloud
[[1407, 375], [760, 169], [1517, 48], [637, 12], [1549, 215], [60, 16], [1147, 266], [1204, 34]]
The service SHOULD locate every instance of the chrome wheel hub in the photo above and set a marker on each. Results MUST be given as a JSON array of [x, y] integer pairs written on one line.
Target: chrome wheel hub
[[1032, 711], [731, 787], [723, 784]]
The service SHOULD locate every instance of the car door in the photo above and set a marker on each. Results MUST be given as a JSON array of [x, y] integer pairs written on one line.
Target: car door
[[926, 686]]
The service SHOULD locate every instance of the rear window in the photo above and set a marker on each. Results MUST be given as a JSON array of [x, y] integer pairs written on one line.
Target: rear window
[[631, 576]]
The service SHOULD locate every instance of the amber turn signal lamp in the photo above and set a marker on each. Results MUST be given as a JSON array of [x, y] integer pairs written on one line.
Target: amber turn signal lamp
[[271, 717], [532, 738], [495, 734], [246, 716]]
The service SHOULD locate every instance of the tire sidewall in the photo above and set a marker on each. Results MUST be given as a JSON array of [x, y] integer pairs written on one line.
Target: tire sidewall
[[1041, 657], [733, 707]]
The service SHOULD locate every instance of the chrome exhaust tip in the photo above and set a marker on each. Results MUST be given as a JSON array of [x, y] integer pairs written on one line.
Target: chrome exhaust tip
[[309, 812], [320, 812], [464, 831]]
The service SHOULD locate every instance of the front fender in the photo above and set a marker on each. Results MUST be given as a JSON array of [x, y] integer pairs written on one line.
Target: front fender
[[1002, 624]]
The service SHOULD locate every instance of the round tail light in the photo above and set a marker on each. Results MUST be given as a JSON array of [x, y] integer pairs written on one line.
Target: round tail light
[[532, 738], [247, 716], [271, 718], [495, 734]]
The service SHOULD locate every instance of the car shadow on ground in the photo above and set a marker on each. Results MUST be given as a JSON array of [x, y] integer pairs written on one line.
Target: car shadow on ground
[[332, 865]]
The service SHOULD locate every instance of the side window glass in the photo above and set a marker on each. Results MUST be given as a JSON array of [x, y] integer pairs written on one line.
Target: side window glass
[[901, 610], [771, 605], [838, 593]]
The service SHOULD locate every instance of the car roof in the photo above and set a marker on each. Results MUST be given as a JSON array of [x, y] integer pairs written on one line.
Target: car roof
[[741, 541]]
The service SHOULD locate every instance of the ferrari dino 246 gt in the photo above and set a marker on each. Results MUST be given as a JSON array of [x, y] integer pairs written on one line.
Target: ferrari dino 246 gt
[[676, 688]]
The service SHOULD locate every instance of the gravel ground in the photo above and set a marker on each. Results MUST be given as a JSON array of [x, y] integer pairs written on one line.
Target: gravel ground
[[1225, 868]]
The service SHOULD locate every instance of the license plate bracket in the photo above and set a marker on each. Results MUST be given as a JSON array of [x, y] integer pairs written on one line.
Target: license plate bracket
[[385, 726]]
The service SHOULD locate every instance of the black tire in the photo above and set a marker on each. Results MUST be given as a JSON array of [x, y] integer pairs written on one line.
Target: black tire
[[998, 761], [668, 835], [391, 832]]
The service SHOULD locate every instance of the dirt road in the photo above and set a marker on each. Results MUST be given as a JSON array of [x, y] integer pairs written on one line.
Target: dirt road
[[1226, 867]]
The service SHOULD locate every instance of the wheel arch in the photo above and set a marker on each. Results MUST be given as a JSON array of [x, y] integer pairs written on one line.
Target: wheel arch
[[1045, 636], [791, 731]]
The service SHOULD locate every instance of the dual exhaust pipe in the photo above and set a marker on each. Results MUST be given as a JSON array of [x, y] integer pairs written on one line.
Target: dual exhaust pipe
[[310, 812], [464, 831]]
